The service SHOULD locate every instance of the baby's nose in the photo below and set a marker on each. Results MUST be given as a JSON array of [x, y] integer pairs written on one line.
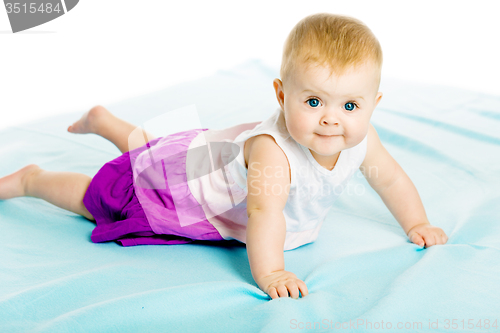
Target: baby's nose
[[329, 121]]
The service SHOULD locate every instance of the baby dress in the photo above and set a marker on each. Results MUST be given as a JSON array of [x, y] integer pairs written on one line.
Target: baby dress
[[192, 185]]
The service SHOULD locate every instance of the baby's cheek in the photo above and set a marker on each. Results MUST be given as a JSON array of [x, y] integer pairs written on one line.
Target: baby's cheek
[[302, 127], [295, 127], [356, 136]]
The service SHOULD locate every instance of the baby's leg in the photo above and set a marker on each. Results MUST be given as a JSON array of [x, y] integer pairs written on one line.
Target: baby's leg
[[122, 134], [63, 189]]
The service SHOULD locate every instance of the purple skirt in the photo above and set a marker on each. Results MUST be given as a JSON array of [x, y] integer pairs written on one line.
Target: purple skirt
[[112, 201]]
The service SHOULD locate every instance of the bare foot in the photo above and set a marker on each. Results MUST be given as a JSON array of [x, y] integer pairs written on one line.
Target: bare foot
[[90, 121], [13, 185]]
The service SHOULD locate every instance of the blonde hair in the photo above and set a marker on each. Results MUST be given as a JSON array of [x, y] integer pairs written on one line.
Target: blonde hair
[[335, 41]]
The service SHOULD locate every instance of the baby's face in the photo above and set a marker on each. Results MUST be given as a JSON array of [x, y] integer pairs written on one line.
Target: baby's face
[[326, 113]]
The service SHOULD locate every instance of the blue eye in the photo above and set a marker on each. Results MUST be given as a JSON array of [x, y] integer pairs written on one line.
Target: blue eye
[[313, 102], [350, 106]]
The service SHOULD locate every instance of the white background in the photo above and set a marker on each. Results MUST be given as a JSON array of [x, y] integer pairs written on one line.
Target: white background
[[106, 51]]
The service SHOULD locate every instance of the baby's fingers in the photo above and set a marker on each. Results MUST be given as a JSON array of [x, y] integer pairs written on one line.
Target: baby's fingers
[[441, 238], [282, 291], [430, 239], [292, 289], [435, 238], [302, 287], [273, 293], [444, 238], [417, 239], [277, 292]]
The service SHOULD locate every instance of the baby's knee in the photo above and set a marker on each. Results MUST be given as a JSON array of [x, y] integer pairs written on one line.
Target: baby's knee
[[85, 213]]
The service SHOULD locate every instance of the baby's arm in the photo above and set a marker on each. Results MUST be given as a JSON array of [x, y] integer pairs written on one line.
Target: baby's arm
[[399, 194], [268, 185]]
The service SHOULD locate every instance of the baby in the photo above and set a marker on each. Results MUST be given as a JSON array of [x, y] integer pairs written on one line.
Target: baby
[[318, 137]]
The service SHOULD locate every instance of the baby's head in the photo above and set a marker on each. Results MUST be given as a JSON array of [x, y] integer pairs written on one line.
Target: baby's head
[[330, 75]]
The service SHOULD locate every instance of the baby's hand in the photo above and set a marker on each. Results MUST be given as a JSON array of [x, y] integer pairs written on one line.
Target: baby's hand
[[427, 234], [282, 284]]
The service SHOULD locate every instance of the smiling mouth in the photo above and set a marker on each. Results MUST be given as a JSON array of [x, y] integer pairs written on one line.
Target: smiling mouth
[[325, 136]]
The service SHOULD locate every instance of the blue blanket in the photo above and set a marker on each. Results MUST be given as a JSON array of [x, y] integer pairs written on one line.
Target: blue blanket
[[363, 273]]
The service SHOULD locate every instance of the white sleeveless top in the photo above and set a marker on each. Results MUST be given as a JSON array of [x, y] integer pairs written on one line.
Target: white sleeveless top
[[313, 189]]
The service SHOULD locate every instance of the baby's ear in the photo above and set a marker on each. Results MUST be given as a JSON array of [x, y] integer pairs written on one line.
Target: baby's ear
[[378, 98], [278, 88]]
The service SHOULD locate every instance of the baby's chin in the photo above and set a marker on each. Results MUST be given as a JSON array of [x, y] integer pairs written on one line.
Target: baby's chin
[[343, 143], [352, 142]]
